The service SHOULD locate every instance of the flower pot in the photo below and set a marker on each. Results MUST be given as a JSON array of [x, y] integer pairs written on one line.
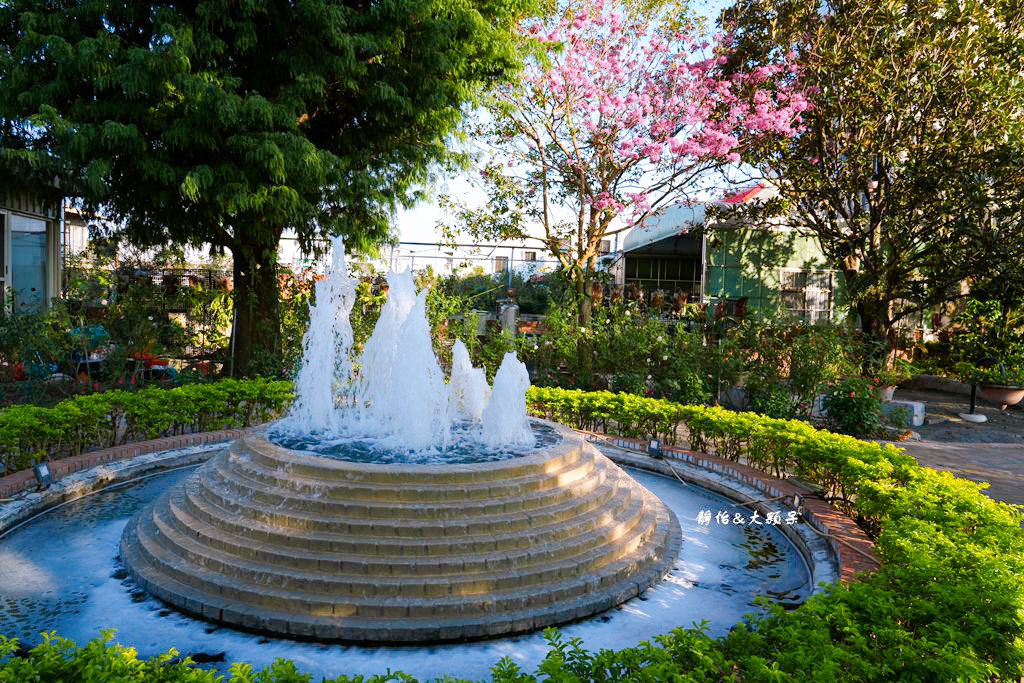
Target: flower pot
[[1002, 395], [885, 393]]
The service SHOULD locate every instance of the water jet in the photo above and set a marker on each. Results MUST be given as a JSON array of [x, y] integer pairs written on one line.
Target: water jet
[[431, 544]]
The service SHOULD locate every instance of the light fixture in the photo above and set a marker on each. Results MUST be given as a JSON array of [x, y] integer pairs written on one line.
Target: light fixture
[[43, 476]]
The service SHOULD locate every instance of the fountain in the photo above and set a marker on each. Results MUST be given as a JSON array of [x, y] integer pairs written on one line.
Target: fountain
[[390, 506]]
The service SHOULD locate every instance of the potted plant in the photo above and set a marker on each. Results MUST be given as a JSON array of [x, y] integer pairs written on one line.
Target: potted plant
[[891, 378], [1002, 383]]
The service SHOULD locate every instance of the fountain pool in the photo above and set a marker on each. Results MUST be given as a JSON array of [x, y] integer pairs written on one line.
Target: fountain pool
[[60, 572], [418, 510]]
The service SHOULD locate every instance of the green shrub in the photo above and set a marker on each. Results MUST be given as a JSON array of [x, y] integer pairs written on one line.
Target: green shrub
[[29, 434], [853, 407]]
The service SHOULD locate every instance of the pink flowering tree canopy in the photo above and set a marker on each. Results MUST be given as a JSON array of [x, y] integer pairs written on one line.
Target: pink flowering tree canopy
[[612, 117]]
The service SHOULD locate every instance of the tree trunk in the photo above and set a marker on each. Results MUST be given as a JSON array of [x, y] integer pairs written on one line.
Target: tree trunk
[[875, 323], [257, 319], [584, 313]]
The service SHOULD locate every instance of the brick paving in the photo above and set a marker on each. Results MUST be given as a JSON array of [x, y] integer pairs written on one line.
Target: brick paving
[[991, 452]]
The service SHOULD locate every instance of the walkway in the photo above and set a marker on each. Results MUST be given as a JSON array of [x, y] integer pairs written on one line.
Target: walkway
[[991, 451]]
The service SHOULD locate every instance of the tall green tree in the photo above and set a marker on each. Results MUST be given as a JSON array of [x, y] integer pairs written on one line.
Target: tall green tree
[[224, 123], [910, 167]]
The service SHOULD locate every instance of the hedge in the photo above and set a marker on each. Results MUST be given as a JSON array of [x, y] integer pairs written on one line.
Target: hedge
[[946, 605], [29, 434]]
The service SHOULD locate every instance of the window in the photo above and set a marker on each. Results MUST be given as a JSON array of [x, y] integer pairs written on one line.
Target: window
[[500, 264], [807, 293], [529, 256], [28, 262], [670, 274], [604, 246]]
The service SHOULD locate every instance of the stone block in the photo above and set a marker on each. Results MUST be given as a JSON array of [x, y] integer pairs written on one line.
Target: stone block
[[913, 411]]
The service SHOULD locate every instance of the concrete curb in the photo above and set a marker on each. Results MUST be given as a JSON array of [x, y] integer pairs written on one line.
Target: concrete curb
[[24, 480], [936, 383]]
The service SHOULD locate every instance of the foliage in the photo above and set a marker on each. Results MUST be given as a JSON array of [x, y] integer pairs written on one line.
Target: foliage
[[853, 407], [909, 176], [899, 373], [30, 434], [1010, 373], [905, 622], [532, 294], [987, 328], [57, 658], [224, 123], [615, 115], [782, 365], [788, 362], [945, 605], [33, 344], [627, 349]]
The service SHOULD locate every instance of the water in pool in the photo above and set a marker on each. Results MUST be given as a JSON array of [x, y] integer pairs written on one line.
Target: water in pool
[[60, 572]]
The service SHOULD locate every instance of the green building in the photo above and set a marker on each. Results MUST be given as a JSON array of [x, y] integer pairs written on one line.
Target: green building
[[775, 269]]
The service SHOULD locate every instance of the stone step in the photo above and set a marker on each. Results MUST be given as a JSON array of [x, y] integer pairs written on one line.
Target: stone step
[[464, 552], [330, 538], [352, 578], [229, 492], [146, 555], [399, 563], [419, 621], [269, 455], [382, 496]]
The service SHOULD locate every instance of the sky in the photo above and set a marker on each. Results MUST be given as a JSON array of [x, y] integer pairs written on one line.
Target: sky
[[418, 224]]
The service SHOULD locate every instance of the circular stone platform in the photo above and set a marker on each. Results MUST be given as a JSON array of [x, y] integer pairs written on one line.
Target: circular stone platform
[[276, 540]]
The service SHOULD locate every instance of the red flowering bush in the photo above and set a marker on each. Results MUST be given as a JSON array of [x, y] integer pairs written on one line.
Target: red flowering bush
[[853, 407]]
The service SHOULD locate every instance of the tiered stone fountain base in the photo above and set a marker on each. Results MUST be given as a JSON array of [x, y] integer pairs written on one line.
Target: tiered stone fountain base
[[275, 540]]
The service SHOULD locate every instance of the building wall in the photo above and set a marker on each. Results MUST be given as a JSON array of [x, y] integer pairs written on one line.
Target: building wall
[[776, 269]]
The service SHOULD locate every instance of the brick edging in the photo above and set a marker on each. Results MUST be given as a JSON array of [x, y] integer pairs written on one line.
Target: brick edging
[[25, 480], [842, 531]]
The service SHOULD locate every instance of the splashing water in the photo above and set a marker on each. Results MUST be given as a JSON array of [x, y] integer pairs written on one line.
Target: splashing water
[[325, 346], [505, 415], [468, 387], [397, 395]]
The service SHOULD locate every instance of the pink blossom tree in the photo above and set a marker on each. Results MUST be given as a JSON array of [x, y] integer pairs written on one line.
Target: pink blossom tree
[[614, 116]]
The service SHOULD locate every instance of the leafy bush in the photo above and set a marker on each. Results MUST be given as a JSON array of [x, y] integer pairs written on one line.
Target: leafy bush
[[1010, 373], [899, 373], [771, 401], [853, 407], [30, 434], [988, 328], [58, 659], [947, 603]]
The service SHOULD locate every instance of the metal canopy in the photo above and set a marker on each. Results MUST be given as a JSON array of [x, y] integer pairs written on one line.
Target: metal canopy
[[672, 221]]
